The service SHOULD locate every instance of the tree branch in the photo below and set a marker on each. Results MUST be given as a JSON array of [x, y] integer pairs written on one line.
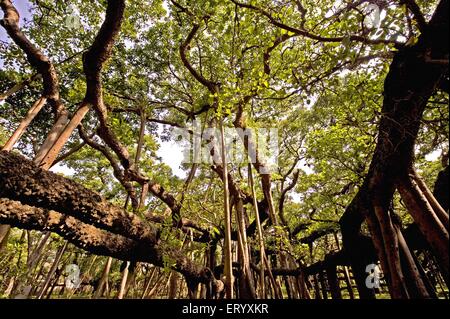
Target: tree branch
[[304, 33], [35, 56], [417, 13], [184, 48]]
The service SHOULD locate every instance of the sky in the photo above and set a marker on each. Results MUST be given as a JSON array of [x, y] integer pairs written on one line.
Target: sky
[[23, 7], [172, 155]]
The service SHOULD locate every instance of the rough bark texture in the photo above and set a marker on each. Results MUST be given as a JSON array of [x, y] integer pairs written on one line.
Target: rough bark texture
[[441, 188], [412, 79], [85, 236], [33, 198], [23, 181]]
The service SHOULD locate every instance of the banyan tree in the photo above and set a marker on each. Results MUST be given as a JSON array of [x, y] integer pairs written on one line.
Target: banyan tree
[[333, 184]]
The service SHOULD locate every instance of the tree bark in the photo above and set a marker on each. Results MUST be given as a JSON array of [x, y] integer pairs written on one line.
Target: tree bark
[[408, 86], [228, 258], [103, 280], [31, 114], [333, 282]]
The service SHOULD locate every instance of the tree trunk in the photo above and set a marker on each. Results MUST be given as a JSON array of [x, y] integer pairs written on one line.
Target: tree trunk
[[103, 280], [246, 280], [34, 110], [333, 282], [51, 138], [4, 234], [411, 81], [228, 259], [123, 282], [52, 270], [429, 224], [173, 284], [64, 136]]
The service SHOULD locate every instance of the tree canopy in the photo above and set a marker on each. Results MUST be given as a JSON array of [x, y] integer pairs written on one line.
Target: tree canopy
[[96, 93]]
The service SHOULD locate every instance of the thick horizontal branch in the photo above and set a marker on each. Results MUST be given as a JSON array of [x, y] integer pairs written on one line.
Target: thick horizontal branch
[[83, 235], [97, 241], [22, 181], [319, 233]]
